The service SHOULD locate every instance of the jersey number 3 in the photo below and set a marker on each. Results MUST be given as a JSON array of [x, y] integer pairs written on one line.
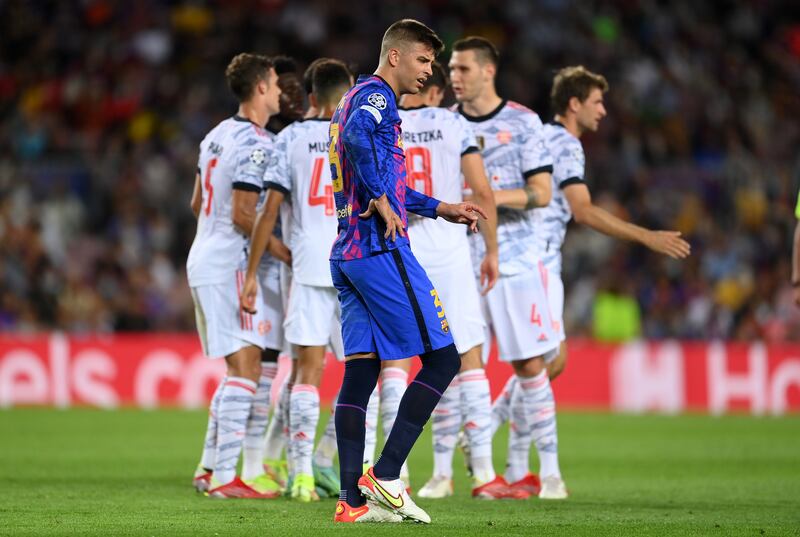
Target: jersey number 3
[[314, 198], [418, 169]]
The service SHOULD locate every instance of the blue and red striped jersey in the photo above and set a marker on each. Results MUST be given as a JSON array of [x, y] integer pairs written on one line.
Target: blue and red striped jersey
[[367, 161]]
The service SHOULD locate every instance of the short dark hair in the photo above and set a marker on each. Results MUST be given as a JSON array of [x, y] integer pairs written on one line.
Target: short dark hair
[[284, 64], [574, 81], [438, 78], [329, 76], [485, 51], [245, 71], [308, 74], [410, 31]]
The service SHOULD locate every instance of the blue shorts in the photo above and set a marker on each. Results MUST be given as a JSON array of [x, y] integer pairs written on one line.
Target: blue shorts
[[389, 306]]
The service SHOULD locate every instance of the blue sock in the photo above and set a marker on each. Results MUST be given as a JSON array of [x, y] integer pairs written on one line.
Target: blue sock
[[438, 369], [360, 377]]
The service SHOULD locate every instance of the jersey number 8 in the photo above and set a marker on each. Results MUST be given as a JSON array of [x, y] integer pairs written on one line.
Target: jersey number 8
[[418, 169]]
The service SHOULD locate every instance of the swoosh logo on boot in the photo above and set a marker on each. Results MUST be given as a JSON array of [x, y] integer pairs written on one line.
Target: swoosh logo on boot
[[396, 501]]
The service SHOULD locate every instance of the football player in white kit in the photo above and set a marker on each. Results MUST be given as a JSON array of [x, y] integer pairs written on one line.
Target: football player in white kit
[[232, 160], [577, 99], [439, 147], [300, 173], [519, 168]]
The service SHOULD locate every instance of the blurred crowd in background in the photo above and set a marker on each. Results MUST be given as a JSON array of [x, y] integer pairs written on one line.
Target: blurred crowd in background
[[103, 105]]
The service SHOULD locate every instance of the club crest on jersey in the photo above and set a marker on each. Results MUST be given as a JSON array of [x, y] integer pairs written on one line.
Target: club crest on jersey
[[504, 137], [377, 100], [258, 156]]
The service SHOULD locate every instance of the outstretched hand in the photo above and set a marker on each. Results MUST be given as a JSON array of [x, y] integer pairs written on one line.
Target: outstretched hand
[[393, 223], [669, 243], [461, 213]]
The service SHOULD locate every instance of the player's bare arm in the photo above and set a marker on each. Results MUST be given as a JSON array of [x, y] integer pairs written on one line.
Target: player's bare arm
[[197, 196], [243, 212], [796, 264], [259, 240], [475, 176], [536, 193], [585, 212]]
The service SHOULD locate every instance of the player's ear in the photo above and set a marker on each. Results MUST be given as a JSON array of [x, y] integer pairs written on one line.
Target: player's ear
[[574, 104], [490, 69], [312, 100], [393, 56], [262, 86]]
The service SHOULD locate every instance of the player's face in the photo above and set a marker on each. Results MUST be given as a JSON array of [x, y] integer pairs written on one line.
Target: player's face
[[591, 111], [466, 75], [291, 96], [414, 67], [272, 96]]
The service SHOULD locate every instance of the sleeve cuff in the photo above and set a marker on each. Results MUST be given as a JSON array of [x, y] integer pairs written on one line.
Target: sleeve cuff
[[469, 150], [571, 181], [271, 185], [540, 169], [248, 187]]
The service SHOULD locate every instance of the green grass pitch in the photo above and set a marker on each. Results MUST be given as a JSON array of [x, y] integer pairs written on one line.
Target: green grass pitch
[[93, 472]]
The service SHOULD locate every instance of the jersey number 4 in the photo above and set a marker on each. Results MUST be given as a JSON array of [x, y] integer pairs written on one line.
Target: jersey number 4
[[314, 198], [418, 169]]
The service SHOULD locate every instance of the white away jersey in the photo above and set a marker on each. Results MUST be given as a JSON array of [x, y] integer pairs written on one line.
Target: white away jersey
[[233, 155], [568, 168], [434, 140], [511, 143], [301, 171]]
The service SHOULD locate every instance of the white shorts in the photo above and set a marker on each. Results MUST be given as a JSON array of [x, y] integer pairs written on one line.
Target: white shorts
[[313, 317], [461, 299], [222, 325], [270, 301], [519, 313], [555, 296]]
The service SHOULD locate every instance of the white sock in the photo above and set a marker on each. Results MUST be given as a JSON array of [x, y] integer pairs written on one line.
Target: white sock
[[501, 408], [446, 424], [543, 412], [286, 409], [274, 441], [234, 410], [257, 424], [394, 381], [476, 407], [303, 420], [210, 445], [532, 420], [371, 436], [326, 447]]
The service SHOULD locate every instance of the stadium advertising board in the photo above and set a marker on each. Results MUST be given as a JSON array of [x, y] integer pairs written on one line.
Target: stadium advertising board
[[155, 370]]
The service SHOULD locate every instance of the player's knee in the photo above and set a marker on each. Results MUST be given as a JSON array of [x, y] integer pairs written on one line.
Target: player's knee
[[445, 362], [529, 367], [557, 366], [472, 359], [360, 377]]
